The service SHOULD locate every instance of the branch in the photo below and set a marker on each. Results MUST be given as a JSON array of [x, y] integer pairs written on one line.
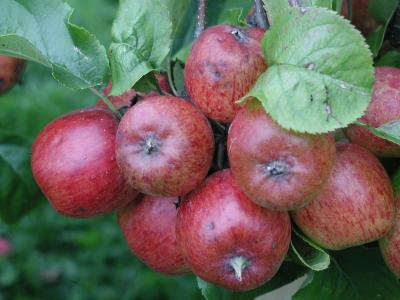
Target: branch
[[261, 16], [201, 18]]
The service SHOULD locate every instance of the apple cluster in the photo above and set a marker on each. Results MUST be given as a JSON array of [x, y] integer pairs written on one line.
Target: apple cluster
[[232, 226]]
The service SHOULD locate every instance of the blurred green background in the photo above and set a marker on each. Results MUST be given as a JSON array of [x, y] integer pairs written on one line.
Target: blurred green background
[[59, 258]]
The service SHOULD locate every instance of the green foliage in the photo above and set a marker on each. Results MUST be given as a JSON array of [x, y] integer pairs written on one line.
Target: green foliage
[[389, 131], [286, 274], [60, 258], [389, 59], [306, 253], [355, 274], [320, 75], [142, 35], [40, 31], [18, 191], [275, 8], [382, 11]]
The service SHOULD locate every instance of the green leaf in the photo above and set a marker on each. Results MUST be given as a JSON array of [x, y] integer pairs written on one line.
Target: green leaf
[[308, 254], [142, 36], [18, 190], [286, 274], [382, 13], [355, 274], [337, 6], [396, 182], [235, 17], [275, 8], [389, 59], [40, 31], [389, 131], [320, 73]]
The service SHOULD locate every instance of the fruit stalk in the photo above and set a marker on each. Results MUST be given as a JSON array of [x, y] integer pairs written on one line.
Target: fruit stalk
[[107, 102], [260, 14], [201, 18]]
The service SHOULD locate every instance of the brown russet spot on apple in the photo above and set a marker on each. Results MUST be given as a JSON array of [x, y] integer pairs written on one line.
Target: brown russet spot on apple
[[223, 64], [355, 206], [229, 240], [384, 108], [277, 168]]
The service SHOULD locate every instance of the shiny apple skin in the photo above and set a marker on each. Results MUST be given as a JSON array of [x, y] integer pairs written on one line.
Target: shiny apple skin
[[276, 168], [218, 224], [356, 205], [148, 225], [223, 64], [73, 162], [165, 146]]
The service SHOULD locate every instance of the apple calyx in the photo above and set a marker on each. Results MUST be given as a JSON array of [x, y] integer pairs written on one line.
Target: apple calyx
[[277, 169], [239, 35], [151, 144], [238, 264]]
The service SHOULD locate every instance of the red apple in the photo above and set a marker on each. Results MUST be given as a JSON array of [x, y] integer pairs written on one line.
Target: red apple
[[164, 146], [10, 71], [163, 83], [384, 108], [73, 162], [361, 17], [390, 244], [223, 64], [276, 168], [227, 239], [148, 225], [5, 247], [356, 205]]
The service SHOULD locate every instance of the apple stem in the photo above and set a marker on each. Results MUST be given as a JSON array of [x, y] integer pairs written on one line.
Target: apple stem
[[239, 264], [107, 102], [260, 14], [201, 18]]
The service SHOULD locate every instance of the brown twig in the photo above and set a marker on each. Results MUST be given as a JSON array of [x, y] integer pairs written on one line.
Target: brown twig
[[260, 15], [201, 18]]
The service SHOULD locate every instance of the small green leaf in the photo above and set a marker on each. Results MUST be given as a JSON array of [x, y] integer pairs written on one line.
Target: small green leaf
[[288, 272], [40, 31], [382, 13], [389, 59], [320, 73], [235, 17], [276, 7], [355, 274], [307, 253], [142, 36], [18, 190], [389, 131]]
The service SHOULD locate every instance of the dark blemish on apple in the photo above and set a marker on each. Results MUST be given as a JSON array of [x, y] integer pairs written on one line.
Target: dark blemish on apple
[[150, 144], [239, 35], [311, 98], [310, 66], [210, 226], [178, 203], [277, 169]]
